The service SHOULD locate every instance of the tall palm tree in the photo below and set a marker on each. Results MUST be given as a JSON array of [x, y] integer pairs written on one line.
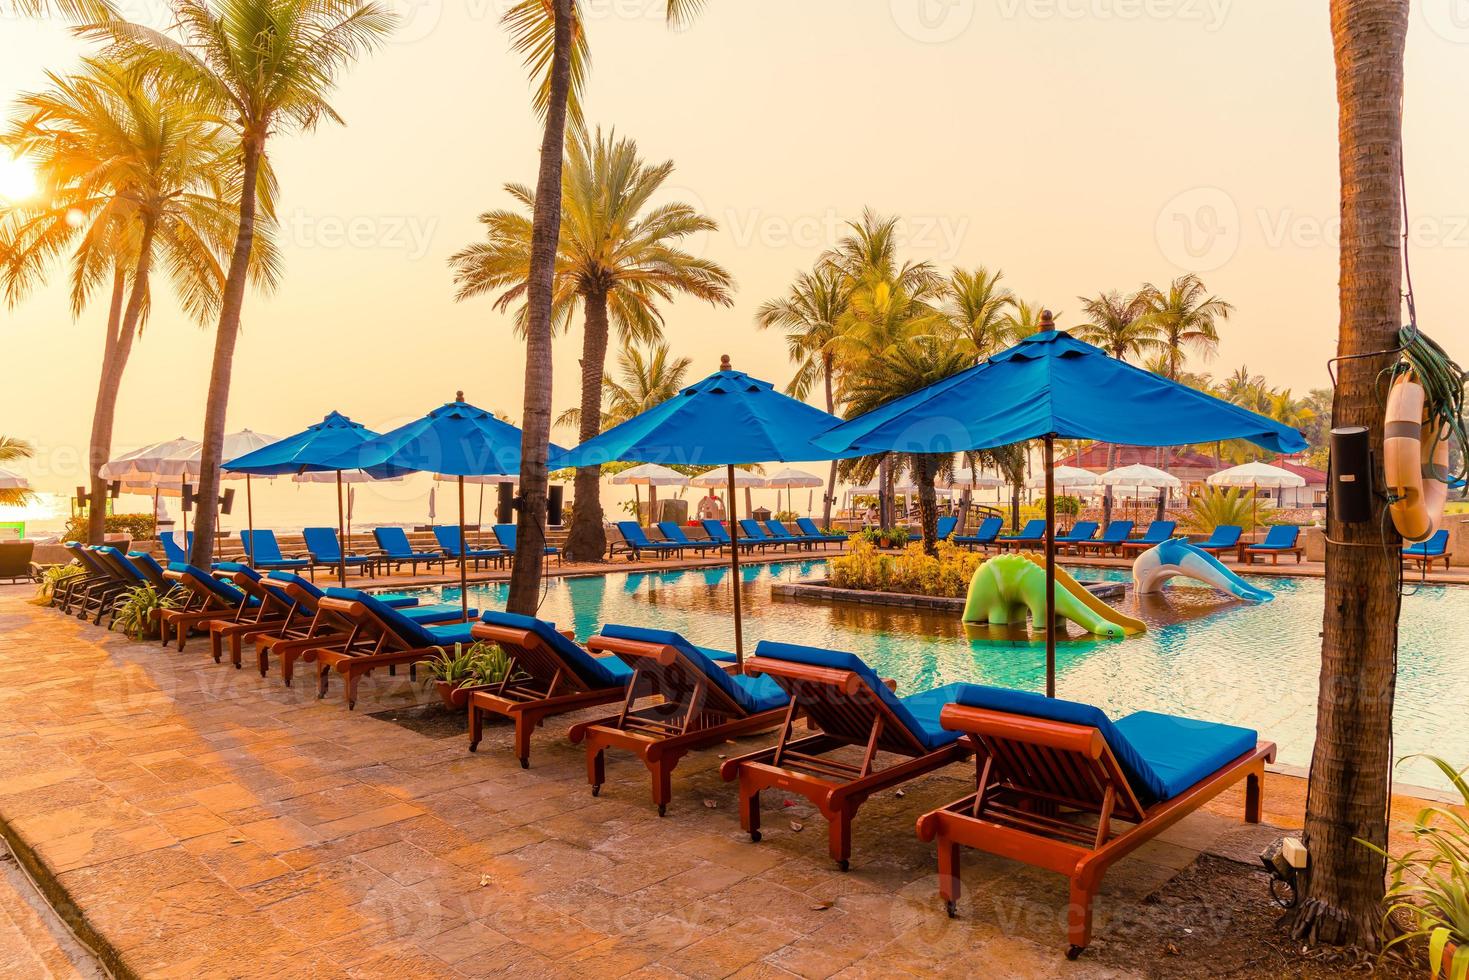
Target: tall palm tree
[[1121, 326], [267, 66], [1347, 800], [133, 179], [868, 255], [811, 314], [81, 10], [644, 381], [1185, 317], [617, 258], [978, 309], [549, 34], [13, 450]]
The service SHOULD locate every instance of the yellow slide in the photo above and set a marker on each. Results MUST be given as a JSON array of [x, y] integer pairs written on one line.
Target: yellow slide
[[1081, 592]]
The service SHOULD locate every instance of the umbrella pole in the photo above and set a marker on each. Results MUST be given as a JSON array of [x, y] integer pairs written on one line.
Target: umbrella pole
[[463, 574], [341, 530], [1050, 566], [249, 520], [734, 564]]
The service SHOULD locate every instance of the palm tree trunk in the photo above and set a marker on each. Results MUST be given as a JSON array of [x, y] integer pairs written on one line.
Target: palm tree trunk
[[216, 407], [831, 480], [525, 576], [104, 411], [885, 508], [587, 540], [1351, 768], [928, 504]]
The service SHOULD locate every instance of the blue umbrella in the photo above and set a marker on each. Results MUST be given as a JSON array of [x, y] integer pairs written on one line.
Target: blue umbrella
[[1052, 386], [456, 440], [308, 452], [727, 419]]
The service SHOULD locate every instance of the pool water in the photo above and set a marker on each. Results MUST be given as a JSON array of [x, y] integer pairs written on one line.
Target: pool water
[[1203, 656]]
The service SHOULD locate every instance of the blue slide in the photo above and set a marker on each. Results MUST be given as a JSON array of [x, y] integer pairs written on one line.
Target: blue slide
[[1157, 565]]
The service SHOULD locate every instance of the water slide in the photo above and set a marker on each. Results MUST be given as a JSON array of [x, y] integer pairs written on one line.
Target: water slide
[[1156, 566], [1007, 588]]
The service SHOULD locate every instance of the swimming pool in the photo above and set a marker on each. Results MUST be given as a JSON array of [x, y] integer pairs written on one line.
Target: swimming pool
[[1202, 656]]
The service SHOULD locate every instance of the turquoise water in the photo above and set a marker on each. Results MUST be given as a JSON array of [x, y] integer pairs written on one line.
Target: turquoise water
[[1203, 656]]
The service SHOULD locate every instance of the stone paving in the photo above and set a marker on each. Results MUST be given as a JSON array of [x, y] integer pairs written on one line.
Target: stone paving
[[200, 820]]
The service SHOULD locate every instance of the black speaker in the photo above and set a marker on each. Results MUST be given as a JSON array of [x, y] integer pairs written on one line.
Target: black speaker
[[554, 494], [1351, 474], [188, 503], [227, 502], [504, 497]]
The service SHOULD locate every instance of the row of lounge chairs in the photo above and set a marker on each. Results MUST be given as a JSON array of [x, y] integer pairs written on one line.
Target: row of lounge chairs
[[754, 535], [1117, 539], [1057, 783]]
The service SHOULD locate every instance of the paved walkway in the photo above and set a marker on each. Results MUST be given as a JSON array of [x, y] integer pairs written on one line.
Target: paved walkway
[[204, 821]]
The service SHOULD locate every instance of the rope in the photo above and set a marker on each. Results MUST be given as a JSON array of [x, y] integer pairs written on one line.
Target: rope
[[1443, 383]]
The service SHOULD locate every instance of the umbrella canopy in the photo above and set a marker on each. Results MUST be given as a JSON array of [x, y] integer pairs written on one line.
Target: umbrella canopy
[[650, 475], [1139, 475], [718, 479], [791, 478], [1052, 386], [1256, 475], [11, 480], [145, 466], [1070, 477]]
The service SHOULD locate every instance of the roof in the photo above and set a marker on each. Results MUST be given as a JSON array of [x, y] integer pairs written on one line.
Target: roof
[[1312, 476], [1094, 457]]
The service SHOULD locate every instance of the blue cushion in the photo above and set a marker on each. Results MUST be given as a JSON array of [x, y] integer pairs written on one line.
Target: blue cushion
[[1279, 536], [147, 563], [1224, 536], [925, 708], [1117, 531], [596, 671], [223, 590], [988, 528], [407, 628], [752, 694], [436, 613], [1181, 751], [443, 636]]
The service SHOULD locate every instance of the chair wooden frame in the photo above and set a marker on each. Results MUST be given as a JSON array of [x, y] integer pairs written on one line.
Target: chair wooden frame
[[1425, 561], [1030, 769], [539, 684], [291, 641], [184, 619], [272, 616], [690, 717], [843, 710], [371, 643]]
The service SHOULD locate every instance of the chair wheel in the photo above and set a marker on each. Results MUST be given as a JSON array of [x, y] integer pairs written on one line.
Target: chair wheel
[[844, 865], [1072, 952], [754, 836], [596, 791], [952, 909]]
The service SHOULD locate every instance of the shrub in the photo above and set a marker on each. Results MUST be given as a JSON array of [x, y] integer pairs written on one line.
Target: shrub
[[784, 515], [138, 614], [468, 666], [1213, 507], [49, 579], [912, 572], [139, 527]]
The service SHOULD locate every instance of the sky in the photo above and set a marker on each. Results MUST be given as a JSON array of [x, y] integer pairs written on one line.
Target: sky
[[1079, 145]]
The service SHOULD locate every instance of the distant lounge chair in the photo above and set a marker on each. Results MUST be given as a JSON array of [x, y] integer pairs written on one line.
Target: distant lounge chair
[[809, 528], [78, 591], [449, 538], [151, 571], [1425, 553], [701, 706], [262, 551], [1034, 754], [718, 534], [945, 527], [505, 534], [1156, 534], [1223, 538], [395, 551], [549, 675], [1282, 539], [985, 535], [15, 560], [751, 531], [326, 549], [846, 704], [779, 532], [1034, 532], [173, 551], [1111, 540], [639, 542], [672, 532], [1080, 532], [106, 601]]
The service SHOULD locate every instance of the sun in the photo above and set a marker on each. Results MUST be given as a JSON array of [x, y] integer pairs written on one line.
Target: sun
[[17, 179]]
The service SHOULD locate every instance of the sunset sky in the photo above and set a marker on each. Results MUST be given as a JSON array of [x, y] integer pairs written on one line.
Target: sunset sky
[[1079, 145]]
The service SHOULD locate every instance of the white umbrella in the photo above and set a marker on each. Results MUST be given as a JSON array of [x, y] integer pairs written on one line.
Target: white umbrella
[[11, 480], [652, 476], [1065, 476], [1139, 475], [148, 471], [718, 479], [1254, 476], [791, 478]]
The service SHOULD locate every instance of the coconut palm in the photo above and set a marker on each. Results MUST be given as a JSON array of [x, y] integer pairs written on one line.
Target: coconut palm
[[618, 259], [1120, 325], [811, 314], [1185, 318], [134, 180], [81, 10], [1347, 801], [978, 309], [549, 35], [646, 380], [268, 67], [1024, 319], [13, 450], [868, 254]]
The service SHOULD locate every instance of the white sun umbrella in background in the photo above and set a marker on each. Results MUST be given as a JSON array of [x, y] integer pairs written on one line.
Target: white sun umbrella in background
[[965, 478], [142, 471], [1065, 476], [11, 480], [1254, 476], [716, 479], [236, 444], [789, 479], [652, 476], [1141, 479]]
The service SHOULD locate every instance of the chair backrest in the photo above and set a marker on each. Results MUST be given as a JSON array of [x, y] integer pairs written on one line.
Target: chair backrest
[[392, 540], [366, 612], [322, 543], [715, 530], [674, 668], [149, 568], [777, 530], [672, 532], [1160, 530], [1117, 531], [808, 526], [988, 529], [505, 534], [1282, 536], [261, 545], [1437, 544], [752, 530], [632, 533], [173, 551], [221, 595], [449, 538], [1225, 535], [84, 556], [119, 566], [946, 527], [541, 652], [1082, 531], [1033, 529]]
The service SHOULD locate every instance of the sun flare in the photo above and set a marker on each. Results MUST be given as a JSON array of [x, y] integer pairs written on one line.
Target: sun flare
[[17, 179]]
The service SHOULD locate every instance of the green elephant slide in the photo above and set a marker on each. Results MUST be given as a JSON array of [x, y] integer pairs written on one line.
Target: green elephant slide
[[1007, 588]]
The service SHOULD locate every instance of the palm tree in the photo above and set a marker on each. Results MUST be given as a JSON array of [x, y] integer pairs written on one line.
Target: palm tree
[[1024, 319], [267, 66], [1121, 326], [12, 450], [617, 257], [868, 255], [647, 380], [83, 10], [1347, 801], [978, 309], [1185, 318], [812, 314], [133, 179]]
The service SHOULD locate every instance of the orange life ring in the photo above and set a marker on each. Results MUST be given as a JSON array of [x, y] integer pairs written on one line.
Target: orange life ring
[[1415, 463]]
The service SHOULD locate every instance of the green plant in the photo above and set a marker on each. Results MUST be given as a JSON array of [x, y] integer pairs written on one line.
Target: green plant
[[1066, 506], [1430, 883], [1213, 507], [896, 537], [138, 527], [913, 572], [138, 614], [50, 578], [784, 515], [468, 666]]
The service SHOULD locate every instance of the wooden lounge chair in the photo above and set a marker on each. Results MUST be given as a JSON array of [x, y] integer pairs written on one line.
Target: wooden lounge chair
[[1111, 540], [1282, 539], [452, 543], [263, 552], [394, 551], [505, 536], [1425, 553], [671, 531], [207, 599], [105, 597], [325, 549], [808, 527], [702, 705], [845, 704], [1033, 533], [15, 560], [549, 675], [1156, 534], [70, 592], [273, 611], [377, 636], [984, 535], [1043, 764], [1223, 538], [720, 535], [1080, 533], [637, 541]]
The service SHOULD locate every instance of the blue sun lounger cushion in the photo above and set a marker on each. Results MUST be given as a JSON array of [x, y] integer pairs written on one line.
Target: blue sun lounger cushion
[[1223, 536], [945, 527], [310, 588], [919, 713], [596, 671], [988, 530], [222, 590], [150, 568], [753, 694], [1161, 755], [411, 631], [1117, 532], [1034, 530], [1278, 538], [1434, 547]]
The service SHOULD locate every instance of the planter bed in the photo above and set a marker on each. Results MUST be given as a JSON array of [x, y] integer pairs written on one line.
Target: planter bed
[[819, 589]]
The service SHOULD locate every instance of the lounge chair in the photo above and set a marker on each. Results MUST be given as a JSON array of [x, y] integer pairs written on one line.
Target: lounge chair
[[718, 534], [1425, 553], [271, 610], [72, 591], [1223, 538], [944, 527], [638, 542], [105, 601], [984, 535], [672, 532], [153, 572], [549, 675], [15, 560], [1111, 540], [262, 551], [1156, 534], [1282, 539], [378, 635], [701, 706], [1079, 532], [1034, 532], [506, 535], [753, 532], [326, 549], [779, 532], [210, 599], [846, 704], [809, 528], [449, 539], [1034, 754], [173, 551], [395, 551]]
